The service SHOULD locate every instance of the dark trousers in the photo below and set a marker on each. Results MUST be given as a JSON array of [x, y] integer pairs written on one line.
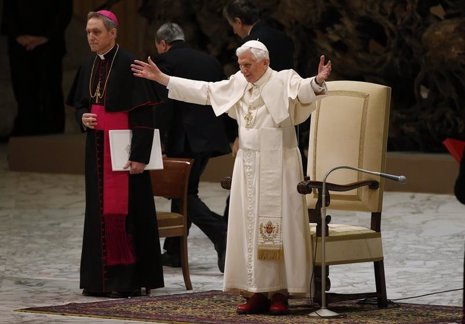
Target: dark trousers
[[36, 77], [198, 213]]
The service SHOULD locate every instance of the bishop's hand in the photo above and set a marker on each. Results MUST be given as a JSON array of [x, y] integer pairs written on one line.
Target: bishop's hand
[[149, 70]]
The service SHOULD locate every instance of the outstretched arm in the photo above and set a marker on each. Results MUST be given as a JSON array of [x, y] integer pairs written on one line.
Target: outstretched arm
[[149, 70]]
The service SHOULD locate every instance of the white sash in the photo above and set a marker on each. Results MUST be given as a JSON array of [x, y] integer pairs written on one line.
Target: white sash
[[270, 143]]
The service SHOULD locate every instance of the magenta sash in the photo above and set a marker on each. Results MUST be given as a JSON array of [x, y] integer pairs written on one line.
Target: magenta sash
[[119, 246]]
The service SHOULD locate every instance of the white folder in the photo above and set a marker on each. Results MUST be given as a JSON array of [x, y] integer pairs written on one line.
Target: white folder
[[120, 149]]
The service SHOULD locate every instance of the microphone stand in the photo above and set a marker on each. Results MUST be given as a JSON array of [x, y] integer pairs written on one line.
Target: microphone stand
[[324, 311]]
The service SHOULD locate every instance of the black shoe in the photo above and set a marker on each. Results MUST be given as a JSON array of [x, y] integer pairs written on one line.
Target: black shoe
[[221, 251], [125, 294], [171, 260], [88, 293]]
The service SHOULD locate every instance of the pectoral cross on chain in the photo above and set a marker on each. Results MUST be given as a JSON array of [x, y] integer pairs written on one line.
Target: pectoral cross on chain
[[248, 119], [97, 93]]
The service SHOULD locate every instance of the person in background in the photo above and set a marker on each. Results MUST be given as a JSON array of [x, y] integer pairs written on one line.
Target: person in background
[[36, 47], [121, 247], [190, 131], [268, 251], [244, 18]]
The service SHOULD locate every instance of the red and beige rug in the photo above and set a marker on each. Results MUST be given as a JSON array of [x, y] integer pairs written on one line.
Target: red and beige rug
[[219, 307]]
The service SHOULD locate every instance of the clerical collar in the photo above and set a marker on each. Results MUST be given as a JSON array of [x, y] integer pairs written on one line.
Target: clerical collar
[[108, 54], [264, 79]]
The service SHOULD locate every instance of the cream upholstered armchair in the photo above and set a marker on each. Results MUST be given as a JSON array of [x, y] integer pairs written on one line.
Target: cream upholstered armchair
[[348, 128]]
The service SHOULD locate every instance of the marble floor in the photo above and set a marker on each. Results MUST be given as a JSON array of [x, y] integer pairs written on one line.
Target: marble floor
[[41, 220]]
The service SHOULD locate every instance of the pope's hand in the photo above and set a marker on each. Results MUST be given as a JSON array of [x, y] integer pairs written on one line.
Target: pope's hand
[[149, 70], [324, 70]]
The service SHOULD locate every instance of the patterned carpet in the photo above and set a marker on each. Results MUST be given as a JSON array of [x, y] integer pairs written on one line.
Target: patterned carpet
[[219, 307]]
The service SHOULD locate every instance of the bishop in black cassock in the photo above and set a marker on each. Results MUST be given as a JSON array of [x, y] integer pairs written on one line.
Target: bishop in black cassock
[[121, 249]]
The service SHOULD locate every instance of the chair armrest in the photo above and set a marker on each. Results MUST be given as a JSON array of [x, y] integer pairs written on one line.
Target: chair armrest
[[306, 186]]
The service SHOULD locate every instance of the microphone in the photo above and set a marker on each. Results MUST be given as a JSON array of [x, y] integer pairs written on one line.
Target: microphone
[[398, 178]]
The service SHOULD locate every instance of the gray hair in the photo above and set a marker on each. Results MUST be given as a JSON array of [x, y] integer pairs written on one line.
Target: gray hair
[[169, 32], [256, 52]]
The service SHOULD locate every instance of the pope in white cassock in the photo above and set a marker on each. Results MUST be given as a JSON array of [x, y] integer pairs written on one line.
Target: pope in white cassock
[[268, 253]]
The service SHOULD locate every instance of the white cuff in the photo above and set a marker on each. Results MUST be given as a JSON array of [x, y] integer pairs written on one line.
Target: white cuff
[[316, 87]]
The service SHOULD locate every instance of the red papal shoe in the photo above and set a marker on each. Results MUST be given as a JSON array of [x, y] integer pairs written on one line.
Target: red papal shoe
[[279, 305], [256, 304]]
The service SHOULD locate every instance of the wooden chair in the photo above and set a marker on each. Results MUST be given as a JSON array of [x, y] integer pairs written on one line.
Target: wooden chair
[[348, 128], [172, 182]]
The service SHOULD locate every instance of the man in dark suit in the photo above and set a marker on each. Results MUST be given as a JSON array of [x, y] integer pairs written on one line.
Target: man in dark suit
[[192, 131], [244, 18]]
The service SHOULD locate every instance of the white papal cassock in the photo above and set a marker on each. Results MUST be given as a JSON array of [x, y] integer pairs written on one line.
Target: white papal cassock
[[266, 213]]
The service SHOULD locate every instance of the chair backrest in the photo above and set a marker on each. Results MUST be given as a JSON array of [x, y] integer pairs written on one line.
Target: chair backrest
[[172, 181], [350, 127]]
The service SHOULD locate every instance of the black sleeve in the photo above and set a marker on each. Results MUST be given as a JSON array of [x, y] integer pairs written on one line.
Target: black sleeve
[[141, 123], [78, 114], [78, 97]]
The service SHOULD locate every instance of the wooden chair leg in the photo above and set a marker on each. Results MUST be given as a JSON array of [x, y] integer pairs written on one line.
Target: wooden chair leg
[[185, 263], [380, 284]]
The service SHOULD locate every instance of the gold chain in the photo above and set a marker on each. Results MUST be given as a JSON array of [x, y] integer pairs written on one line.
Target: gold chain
[[97, 94]]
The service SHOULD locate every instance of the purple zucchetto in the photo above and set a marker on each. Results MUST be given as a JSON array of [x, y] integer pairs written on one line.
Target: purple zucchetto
[[110, 15]]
